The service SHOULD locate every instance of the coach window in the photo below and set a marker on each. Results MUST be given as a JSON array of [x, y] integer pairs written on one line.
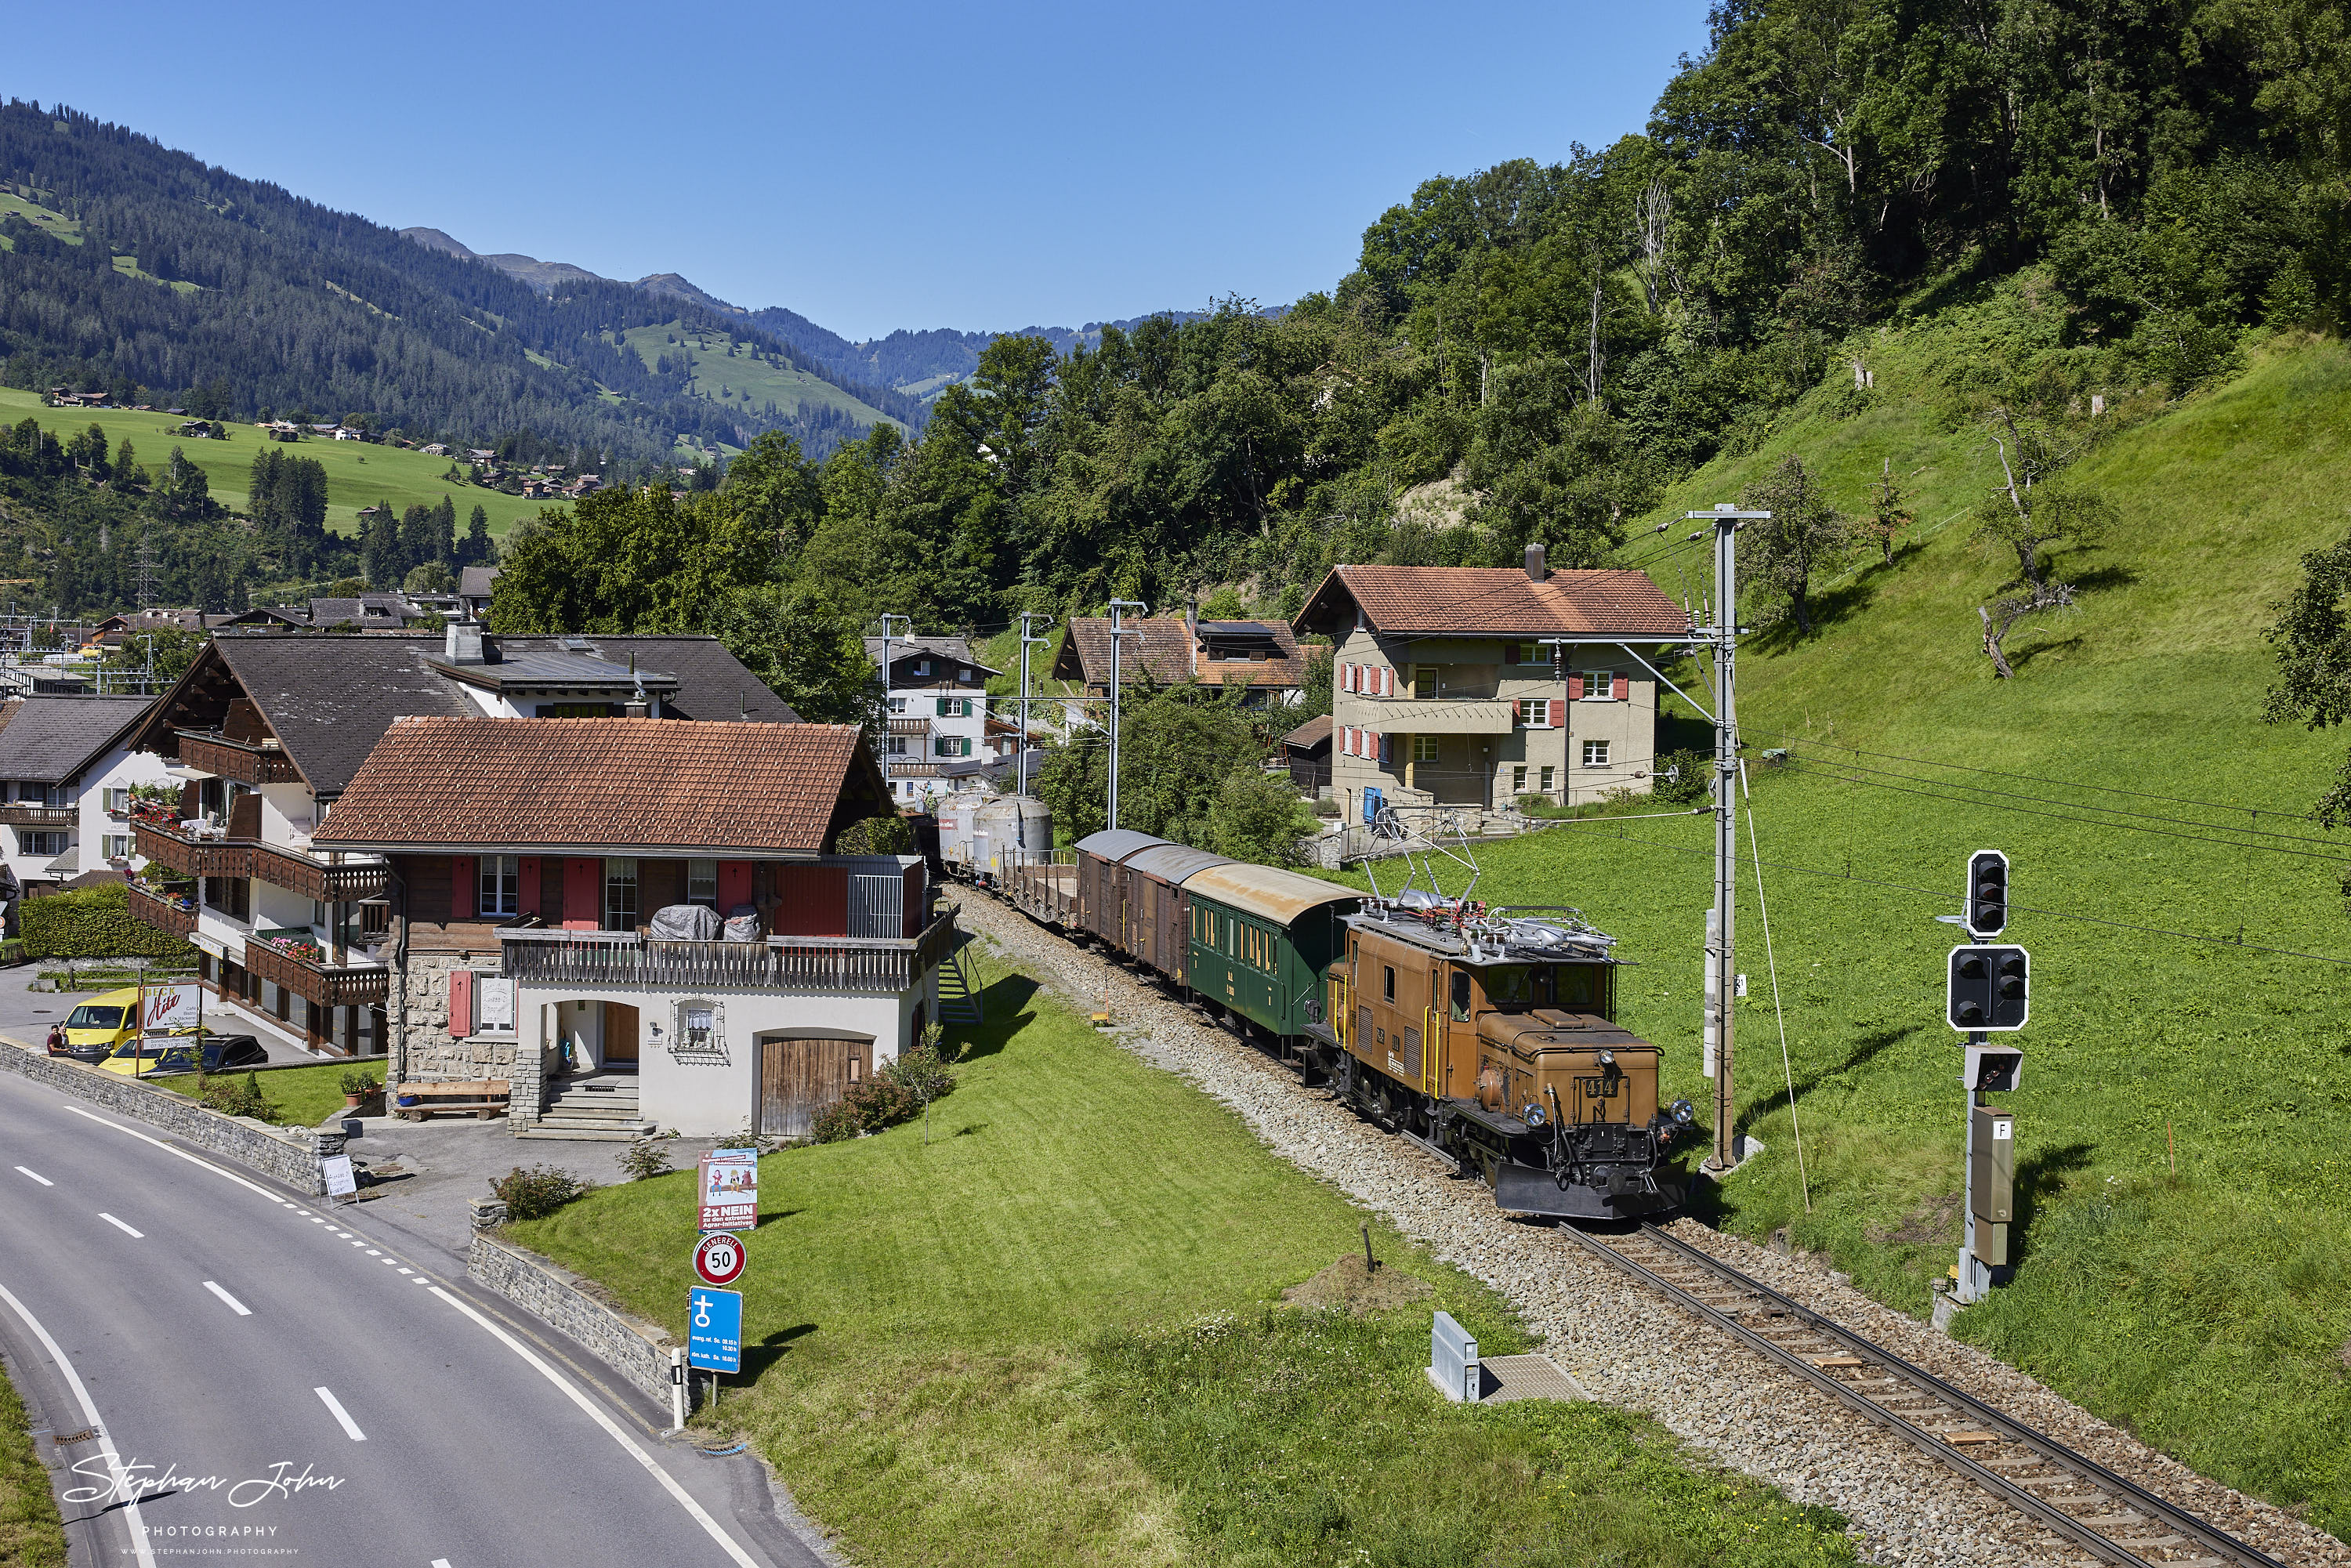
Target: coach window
[[1460, 996]]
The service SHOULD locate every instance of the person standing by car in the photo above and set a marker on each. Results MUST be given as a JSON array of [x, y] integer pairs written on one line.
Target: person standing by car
[[57, 1039]]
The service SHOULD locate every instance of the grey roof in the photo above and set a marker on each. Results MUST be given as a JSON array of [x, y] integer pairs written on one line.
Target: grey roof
[[476, 582], [330, 699], [383, 609], [1173, 863], [527, 669], [903, 648], [52, 740], [1114, 844]]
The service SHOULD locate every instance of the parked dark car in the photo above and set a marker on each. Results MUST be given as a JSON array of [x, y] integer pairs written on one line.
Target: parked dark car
[[222, 1053]]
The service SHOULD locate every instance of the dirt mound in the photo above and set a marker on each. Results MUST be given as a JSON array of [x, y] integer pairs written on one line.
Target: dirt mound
[[1348, 1286]]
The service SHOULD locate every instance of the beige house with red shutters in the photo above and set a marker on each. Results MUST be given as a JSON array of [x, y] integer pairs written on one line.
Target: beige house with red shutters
[[1473, 687]]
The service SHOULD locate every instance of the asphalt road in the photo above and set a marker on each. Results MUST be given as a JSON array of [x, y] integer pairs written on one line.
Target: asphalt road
[[268, 1378]]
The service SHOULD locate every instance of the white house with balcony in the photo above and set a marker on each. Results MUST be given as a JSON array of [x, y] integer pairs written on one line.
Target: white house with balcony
[[677, 946], [1472, 686], [936, 697], [264, 733], [67, 773]]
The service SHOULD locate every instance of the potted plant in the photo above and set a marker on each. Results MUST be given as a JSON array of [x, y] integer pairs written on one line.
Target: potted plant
[[358, 1087]]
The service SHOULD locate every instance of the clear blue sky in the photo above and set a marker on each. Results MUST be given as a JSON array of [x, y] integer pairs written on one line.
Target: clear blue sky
[[983, 167]]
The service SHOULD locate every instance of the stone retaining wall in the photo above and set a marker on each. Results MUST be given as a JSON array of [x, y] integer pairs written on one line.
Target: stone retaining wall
[[289, 1156], [637, 1350]]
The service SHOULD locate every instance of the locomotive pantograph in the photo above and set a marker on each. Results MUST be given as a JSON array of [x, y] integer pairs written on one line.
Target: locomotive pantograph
[[1488, 1038]]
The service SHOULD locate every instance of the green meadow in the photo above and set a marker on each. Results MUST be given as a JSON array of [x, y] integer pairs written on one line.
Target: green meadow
[[2183, 1119], [359, 473], [744, 381], [1049, 1332]]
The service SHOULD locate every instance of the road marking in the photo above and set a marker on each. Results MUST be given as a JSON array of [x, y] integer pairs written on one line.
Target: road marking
[[38, 1177], [90, 1413], [669, 1482], [169, 1149], [373, 1253], [239, 1307], [335, 1404], [440, 1563], [316, 1220], [420, 1279], [119, 1225], [405, 1271]]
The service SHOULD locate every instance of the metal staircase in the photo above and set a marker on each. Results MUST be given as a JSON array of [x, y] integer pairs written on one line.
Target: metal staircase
[[959, 997]]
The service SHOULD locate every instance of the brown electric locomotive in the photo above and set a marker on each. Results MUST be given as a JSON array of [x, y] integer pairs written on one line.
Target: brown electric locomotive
[[1490, 1039]]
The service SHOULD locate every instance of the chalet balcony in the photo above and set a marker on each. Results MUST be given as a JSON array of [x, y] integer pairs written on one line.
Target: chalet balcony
[[902, 724], [183, 851], [313, 878], [624, 960], [164, 913], [244, 762], [322, 984], [25, 814]]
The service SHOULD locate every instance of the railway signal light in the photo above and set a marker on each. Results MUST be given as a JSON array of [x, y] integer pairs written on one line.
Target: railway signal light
[[1993, 1069], [1991, 987], [1987, 894]]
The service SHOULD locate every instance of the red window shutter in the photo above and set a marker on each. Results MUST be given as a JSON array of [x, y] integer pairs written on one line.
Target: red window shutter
[[461, 1003], [464, 886], [1558, 714], [1623, 689], [583, 894], [735, 884], [1575, 688], [533, 895], [1387, 681], [1517, 711]]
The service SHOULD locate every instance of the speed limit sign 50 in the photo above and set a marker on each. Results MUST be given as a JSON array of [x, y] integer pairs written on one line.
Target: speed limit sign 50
[[719, 1259]]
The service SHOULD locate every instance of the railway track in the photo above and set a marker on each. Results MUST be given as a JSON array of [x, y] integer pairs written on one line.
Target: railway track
[[2077, 1502]]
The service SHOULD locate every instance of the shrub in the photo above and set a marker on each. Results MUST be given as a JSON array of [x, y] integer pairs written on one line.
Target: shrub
[[232, 1098], [890, 835], [1686, 785], [358, 1082], [96, 923], [895, 1093], [538, 1192], [645, 1157]]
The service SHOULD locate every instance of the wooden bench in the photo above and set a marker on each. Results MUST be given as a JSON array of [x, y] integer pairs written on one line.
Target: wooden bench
[[486, 1097]]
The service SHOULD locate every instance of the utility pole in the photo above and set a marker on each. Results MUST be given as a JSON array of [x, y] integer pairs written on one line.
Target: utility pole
[[1117, 630], [1026, 642], [1721, 929], [888, 774]]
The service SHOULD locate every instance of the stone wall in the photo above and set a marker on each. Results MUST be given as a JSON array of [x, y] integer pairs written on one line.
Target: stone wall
[[637, 1350], [290, 1155], [420, 1020]]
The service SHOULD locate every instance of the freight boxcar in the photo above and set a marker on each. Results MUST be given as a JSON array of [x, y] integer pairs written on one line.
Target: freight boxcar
[[1158, 911]]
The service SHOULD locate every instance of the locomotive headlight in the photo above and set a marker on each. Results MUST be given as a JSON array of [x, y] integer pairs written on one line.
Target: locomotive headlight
[[1607, 1058], [1533, 1115], [1682, 1112]]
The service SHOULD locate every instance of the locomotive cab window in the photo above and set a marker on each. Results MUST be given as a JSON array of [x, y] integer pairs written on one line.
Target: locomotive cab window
[[1460, 996], [1519, 985]]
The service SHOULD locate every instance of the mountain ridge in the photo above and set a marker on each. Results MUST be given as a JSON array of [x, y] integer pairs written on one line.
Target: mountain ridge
[[917, 362]]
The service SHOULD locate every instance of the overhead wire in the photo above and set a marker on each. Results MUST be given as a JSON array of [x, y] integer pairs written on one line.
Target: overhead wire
[[1944, 895]]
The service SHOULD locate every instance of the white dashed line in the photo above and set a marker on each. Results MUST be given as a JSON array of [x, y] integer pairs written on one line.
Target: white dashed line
[[239, 1307], [405, 1271], [440, 1563], [37, 1176], [125, 1229], [335, 1404]]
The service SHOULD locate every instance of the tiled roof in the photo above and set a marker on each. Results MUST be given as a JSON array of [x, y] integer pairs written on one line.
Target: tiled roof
[[602, 784], [328, 699], [1167, 649], [51, 739], [1493, 602]]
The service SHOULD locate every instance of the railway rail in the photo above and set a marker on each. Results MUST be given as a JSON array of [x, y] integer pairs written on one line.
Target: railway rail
[[2080, 1502]]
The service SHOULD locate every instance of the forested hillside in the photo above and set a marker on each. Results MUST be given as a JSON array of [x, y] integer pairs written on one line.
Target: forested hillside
[[129, 267], [1568, 340]]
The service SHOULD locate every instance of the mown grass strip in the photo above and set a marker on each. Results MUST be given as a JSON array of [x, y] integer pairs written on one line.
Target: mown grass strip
[[31, 1533]]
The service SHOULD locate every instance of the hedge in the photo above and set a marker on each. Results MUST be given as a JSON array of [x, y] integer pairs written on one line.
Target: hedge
[[96, 923]]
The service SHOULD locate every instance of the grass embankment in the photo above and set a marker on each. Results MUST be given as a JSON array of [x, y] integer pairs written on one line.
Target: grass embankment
[[301, 1096], [359, 473], [744, 381], [1049, 1336], [31, 1533], [2209, 1309]]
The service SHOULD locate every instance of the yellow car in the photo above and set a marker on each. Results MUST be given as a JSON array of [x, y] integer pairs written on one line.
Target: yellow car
[[94, 1027]]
